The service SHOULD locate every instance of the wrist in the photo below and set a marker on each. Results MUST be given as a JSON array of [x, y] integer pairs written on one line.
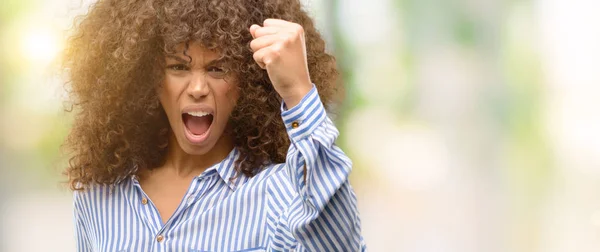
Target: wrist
[[294, 95]]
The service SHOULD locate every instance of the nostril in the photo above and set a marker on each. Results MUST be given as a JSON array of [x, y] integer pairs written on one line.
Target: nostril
[[198, 90]]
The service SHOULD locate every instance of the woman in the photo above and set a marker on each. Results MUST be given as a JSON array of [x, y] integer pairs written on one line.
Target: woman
[[199, 128]]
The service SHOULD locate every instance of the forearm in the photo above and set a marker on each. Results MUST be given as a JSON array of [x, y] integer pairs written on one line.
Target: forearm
[[323, 215]]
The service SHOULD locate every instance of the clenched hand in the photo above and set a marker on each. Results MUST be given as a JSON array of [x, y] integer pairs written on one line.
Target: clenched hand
[[279, 47]]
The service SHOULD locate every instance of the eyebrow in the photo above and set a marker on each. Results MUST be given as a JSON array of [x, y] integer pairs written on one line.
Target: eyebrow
[[212, 62], [175, 57]]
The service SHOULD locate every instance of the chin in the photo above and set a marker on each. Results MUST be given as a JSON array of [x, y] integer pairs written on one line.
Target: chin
[[195, 150]]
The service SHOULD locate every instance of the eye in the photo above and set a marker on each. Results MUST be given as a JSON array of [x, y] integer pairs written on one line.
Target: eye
[[214, 69], [178, 67], [216, 72]]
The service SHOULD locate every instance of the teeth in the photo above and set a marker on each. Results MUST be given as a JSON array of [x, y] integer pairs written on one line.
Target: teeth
[[198, 113]]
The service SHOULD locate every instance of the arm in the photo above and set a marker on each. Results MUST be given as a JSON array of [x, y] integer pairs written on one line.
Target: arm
[[315, 205], [322, 214]]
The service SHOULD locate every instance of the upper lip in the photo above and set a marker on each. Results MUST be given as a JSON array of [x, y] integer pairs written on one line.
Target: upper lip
[[197, 108]]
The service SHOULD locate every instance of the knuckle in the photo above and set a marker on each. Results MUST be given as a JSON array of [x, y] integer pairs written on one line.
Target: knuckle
[[276, 50], [299, 29], [288, 39], [267, 61], [267, 21], [293, 36]]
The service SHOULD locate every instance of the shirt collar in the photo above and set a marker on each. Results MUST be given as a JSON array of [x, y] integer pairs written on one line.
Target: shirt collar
[[228, 173], [225, 169]]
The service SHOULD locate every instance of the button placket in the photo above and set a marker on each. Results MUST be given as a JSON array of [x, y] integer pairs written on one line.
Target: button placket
[[192, 193], [146, 212], [190, 199]]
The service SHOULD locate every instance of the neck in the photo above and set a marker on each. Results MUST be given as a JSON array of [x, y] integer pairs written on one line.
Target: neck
[[183, 164]]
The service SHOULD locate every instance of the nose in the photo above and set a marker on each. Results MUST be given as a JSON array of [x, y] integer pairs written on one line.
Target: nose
[[198, 87]]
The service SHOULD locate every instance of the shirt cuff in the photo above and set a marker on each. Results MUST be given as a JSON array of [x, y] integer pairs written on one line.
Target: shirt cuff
[[302, 120]]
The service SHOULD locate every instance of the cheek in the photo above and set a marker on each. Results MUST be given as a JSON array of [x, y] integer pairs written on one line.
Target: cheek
[[168, 91]]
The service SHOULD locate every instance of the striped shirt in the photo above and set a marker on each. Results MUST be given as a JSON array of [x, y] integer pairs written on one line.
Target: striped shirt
[[276, 210]]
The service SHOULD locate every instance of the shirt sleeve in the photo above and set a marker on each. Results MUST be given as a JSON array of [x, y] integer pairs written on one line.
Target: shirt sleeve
[[320, 214], [81, 238]]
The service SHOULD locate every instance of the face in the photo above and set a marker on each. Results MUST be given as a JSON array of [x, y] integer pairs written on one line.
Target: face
[[198, 98]]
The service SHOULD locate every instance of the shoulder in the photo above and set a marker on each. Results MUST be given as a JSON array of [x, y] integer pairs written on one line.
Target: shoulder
[[277, 177], [270, 171], [93, 195], [273, 171]]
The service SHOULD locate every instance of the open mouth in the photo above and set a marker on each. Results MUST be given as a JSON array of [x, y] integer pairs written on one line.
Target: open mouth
[[197, 124]]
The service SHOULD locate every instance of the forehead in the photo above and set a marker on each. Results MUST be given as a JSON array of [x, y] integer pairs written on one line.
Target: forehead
[[195, 50]]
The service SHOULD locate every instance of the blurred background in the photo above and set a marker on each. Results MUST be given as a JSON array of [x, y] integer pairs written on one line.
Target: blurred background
[[473, 125]]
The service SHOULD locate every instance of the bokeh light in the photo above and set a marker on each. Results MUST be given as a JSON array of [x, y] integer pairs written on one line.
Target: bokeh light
[[40, 45]]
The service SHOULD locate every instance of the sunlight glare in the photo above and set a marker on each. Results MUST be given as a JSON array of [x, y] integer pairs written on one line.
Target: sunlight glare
[[40, 46]]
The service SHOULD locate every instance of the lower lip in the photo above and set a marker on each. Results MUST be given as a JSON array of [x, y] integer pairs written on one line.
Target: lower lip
[[196, 139]]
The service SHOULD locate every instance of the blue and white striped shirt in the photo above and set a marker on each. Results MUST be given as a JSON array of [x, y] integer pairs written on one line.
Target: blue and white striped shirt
[[276, 210]]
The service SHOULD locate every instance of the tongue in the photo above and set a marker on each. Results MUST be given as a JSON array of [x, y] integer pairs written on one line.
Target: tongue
[[197, 125]]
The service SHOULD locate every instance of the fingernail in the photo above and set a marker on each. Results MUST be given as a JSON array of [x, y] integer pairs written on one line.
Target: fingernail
[[252, 30]]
